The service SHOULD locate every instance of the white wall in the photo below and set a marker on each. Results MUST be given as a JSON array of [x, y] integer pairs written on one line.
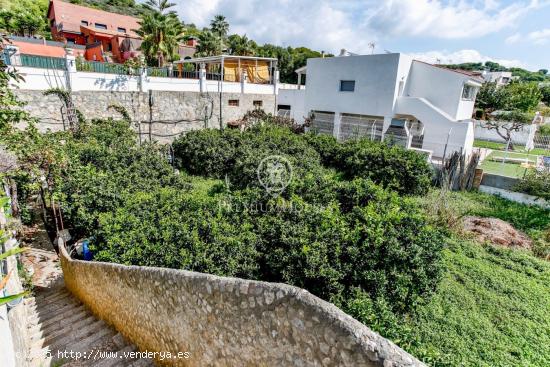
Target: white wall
[[296, 99], [40, 79], [518, 137], [375, 84], [173, 84], [44, 79], [84, 81], [438, 126], [441, 87]]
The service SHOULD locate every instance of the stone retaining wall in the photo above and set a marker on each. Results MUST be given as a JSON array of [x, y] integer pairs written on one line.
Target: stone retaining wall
[[225, 321], [164, 114]]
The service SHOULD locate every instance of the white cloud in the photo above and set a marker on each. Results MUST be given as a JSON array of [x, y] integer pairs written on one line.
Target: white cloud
[[515, 38], [319, 24], [540, 37], [462, 56], [455, 19]]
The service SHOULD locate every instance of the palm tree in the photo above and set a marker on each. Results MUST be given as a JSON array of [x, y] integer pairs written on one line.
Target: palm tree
[[241, 45], [209, 44], [219, 26], [161, 31]]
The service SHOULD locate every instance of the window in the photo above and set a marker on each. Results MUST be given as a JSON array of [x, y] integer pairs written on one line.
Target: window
[[121, 30], [234, 102], [71, 40], [84, 22], [100, 26], [258, 104], [283, 107], [347, 85], [469, 92]]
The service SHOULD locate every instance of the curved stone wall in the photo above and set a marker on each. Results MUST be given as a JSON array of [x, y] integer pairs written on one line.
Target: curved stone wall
[[225, 321]]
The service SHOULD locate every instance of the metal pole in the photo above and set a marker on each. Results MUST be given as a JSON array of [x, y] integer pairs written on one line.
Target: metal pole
[[446, 144], [220, 89]]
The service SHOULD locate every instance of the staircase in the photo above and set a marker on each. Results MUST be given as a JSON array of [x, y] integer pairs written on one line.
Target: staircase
[[58, 322]]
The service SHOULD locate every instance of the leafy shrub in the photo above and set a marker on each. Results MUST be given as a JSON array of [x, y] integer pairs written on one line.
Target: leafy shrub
[[207, 152], [393, 253], [405, 171], [105, 165], [180, 230], [327, 146], [326, 234], [536, 183]]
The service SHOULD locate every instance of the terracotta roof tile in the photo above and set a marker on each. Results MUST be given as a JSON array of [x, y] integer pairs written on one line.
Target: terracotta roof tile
[[28, 48], [71, 16]]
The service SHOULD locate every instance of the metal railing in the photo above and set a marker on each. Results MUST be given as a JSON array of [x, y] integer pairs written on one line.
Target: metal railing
[[43, 62], [102, 67], [159, 72]]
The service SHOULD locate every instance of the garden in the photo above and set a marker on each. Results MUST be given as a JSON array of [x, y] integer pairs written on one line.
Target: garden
[[359, 225]]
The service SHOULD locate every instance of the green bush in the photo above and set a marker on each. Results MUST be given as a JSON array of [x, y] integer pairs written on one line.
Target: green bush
[[535, 183], [405, 171], [105, 165], [181, 230], [207, 152]]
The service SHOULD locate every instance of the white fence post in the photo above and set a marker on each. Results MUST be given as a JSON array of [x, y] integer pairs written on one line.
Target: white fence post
[[337, 123], [70, 61], [244, 80], [202, 78], [276, 82]]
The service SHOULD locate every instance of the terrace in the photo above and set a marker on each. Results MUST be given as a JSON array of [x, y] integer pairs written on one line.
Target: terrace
[[229, 68]]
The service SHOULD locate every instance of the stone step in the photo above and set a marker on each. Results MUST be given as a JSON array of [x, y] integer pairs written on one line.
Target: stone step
[[51, 295], [41, 309], [39, 331], [74, 337], [52, 318], [61, 332], [87, 344]]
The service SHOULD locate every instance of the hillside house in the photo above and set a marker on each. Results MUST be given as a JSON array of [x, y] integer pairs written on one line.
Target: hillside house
[[107, 36], [416, 104]]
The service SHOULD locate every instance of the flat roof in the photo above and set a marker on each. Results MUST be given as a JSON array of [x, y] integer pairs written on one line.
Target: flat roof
[[210, 59]]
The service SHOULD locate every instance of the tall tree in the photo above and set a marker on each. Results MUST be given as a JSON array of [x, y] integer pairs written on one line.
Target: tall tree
[[219, 26], [209, 44], [161, 31], [241, 45]]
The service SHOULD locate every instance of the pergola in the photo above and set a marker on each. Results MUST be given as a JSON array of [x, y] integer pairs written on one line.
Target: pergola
[[258, 69]]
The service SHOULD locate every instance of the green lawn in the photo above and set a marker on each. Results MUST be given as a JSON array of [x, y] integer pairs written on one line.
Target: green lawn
[[505, 169], [502, 147], [489, 145], [492, 307]]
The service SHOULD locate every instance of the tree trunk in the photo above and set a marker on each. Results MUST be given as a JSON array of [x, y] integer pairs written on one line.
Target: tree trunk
[[15, 211]]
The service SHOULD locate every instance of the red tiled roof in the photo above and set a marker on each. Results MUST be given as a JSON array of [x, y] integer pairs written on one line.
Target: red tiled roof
[[71, 16], [41, 49]]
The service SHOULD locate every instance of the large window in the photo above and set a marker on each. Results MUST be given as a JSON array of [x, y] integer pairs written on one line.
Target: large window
[[347, 85], [469, 92]]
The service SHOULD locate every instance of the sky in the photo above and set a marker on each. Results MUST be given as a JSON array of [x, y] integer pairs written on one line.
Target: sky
[[513, 33]]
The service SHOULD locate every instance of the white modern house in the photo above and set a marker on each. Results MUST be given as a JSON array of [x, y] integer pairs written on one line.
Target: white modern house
[[501, 78], [419, 105]]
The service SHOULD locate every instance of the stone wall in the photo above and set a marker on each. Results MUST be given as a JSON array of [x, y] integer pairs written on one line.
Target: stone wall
[[225, 321], [13, 321], [161, 115]]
